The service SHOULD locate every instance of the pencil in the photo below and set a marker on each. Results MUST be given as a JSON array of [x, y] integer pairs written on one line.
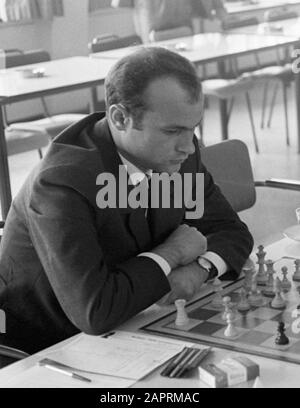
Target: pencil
[[173, 363], [183, 362], [196, 359]]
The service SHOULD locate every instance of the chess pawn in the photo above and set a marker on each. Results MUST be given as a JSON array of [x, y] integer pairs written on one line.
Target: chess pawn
[[281, 339], [181, 317], [278, 302], [217, 301], [296, 275], [269, 288], [261, 275], [243, 305], [230, 330], [227, 306], [249, 271], [285, 283]]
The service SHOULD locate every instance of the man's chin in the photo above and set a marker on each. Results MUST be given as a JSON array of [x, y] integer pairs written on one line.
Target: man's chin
[[170, 168]]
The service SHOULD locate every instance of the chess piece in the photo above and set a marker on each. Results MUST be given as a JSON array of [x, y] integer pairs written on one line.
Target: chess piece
[[278, 302], [230, 330], [296, 275], [227, 307], [261, 274], [255, 298], [269, 288], [243, 305], [217, 301], [281, 339], [248, 271], [285, 283], [181, 317]]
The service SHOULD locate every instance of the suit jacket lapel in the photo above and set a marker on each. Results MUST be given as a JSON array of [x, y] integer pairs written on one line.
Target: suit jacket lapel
[[134, 219]]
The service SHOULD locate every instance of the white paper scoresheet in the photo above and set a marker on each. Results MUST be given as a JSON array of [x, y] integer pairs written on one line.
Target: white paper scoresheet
[[125, 355]]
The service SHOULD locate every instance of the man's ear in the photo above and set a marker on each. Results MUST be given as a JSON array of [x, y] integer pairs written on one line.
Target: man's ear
[[118, 117]]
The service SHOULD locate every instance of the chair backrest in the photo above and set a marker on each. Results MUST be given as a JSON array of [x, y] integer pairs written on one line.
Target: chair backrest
[[235, 22], [230, 165], [162, 35], [112, 42], [26, 58], [280, 14]]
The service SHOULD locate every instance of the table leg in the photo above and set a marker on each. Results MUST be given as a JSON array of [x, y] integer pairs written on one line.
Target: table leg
[[5, 191], [223, 105]]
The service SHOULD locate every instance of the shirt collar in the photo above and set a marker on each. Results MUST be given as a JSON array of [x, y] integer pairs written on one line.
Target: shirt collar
[[135, 174]]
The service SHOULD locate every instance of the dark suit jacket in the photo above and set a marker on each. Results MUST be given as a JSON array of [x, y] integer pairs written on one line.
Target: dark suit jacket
[[67, 266]]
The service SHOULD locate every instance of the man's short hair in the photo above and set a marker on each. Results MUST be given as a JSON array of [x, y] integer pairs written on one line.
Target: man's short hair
[[130, 77]]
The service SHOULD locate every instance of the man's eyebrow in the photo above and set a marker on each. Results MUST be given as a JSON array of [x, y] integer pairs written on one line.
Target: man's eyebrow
[[174, 126]]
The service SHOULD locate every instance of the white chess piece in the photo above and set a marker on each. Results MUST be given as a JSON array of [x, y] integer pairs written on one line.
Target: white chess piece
[[296, 275], [285, 283], [230, 330], [181, 317], [243, 305], [217, 301], [261, 274], [255, 298], [278, 302], [269, 288], [249, 271], [227, 307]]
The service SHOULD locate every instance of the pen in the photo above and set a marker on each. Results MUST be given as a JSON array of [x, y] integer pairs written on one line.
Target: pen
[[66, 372]]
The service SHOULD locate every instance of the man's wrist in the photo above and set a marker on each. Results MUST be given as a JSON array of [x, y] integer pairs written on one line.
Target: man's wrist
[[168, 254], [212, 271]]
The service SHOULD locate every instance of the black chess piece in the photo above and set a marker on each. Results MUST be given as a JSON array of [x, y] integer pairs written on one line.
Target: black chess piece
[[281, 339]]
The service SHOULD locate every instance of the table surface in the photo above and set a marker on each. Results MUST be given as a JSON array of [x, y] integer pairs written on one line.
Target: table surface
[[274, 373], [254, 5], [289, 27], [60, 75], [210, 47]]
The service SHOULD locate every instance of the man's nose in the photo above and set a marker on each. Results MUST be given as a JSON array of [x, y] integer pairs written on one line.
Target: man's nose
[[186, 145]]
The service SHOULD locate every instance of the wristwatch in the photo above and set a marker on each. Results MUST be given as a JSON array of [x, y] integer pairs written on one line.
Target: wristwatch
[[209, 267]]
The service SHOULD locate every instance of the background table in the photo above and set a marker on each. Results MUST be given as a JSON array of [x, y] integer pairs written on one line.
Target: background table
[[63, 75], [206, 48]]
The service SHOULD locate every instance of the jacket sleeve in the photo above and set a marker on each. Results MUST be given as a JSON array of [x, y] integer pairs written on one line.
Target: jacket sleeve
[[64, 234], [226, 234]]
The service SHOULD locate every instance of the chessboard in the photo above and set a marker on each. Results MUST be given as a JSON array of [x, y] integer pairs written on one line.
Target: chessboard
[[258, 314]]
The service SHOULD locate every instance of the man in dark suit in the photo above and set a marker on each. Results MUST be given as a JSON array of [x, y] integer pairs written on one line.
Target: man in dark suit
[[66, 263], [159, 15]]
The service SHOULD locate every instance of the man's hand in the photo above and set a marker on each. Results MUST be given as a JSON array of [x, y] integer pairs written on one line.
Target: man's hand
[[185, 282], [182, 247]]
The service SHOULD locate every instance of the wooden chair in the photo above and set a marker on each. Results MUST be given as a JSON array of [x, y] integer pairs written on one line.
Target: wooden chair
[[227, 89], [51, 124], [267, 207], [279, 74]]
